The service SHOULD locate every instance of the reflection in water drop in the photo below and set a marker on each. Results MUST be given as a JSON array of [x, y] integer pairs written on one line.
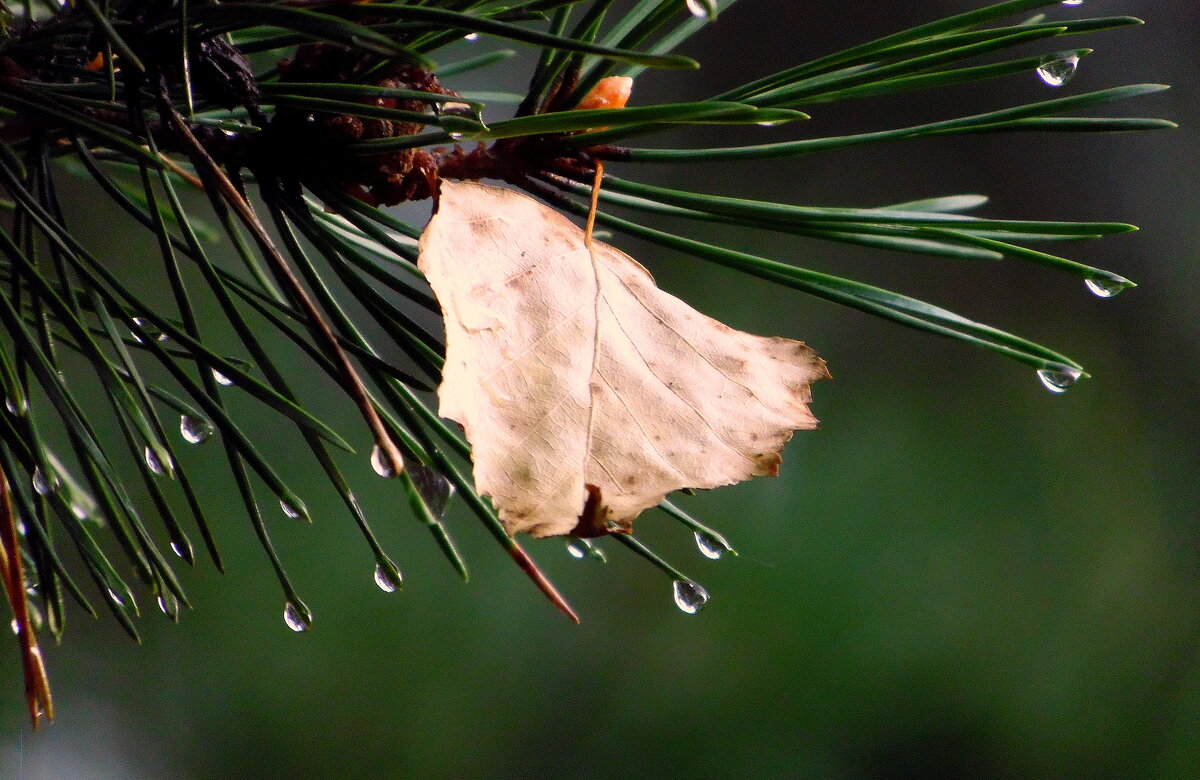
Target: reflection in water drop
[[41, 485], [576, 549], [194, 430], [471, 36], [296, 618], [1072, 2], [690, 596], [1059, 380], [289, 510], [433, 488], [221, 378], [703, 9], [383, 578], [1058, 70], [169, 606]]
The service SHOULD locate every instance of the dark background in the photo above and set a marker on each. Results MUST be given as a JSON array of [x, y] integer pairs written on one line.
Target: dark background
[[958, 575]]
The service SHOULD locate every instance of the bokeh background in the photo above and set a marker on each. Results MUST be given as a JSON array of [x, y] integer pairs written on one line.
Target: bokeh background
[[958, 575]]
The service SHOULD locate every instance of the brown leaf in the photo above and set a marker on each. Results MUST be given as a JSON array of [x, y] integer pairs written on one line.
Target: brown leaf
[[586, 392]]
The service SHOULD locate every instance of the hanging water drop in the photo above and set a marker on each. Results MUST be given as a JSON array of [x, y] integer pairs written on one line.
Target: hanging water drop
[[114, 598], [1107, 287], [380, 463], [154, 462], [576, 549], [221, 378], [289, 510], [703, 9], [1059, 380], [710, 547], [384, 579], [194, 430], [296, 618], [169, 606], [175, 548], [689, 596], [16, 407], [1058, 70], [43, 485], [434, 489]]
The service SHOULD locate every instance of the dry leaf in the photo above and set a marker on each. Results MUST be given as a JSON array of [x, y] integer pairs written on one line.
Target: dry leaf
[[587, 393]]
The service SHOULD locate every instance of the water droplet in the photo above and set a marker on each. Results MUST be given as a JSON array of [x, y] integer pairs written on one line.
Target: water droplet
[[1058, 69], [703, 9], [689, 596], [169, 606], [175, 548], [20, 527], [384, 579], [194, 430], [114, 598], [1107, 287], [17, 407], [289, 510], [471, 36], [456, 136], [380, 463], [41, 485], [710, 547], [1072, 2], [146, 327], [435, 489], [153, 461], [15, 626], [221, 378], [79, 511], [296, 618], [576, 549], [1059, 380]]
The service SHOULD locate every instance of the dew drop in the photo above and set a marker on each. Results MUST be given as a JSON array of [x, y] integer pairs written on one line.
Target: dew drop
[[383, 578], [709, 546], [435, 489], [41, 485], [194, 430], [1058, 70], [153, 461], [689, 596], [1059, 380], [169, 606], [296, 618], [175, 548], [289, 510], [114, 598], [456, 136], [221, 378], [79, 511], [471, 36], [703, 9], [380, 463], [16, 407], [576, 549], [15, 626], [1072, 2], [1106, 287]]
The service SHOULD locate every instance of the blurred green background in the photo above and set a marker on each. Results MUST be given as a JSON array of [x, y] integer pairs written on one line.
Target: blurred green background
[[958, 575]]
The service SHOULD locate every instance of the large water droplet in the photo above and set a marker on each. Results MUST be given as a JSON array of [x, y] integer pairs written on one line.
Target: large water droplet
[[41, 485], [289, 510], [384, 579], [576, 549], [153, 461], [296, 618], [1107, 287], [710, 546], [1058, 70], [1059, 380], [689, 596], [703, 9], [380, 463], [221, 378], [194, 430]]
